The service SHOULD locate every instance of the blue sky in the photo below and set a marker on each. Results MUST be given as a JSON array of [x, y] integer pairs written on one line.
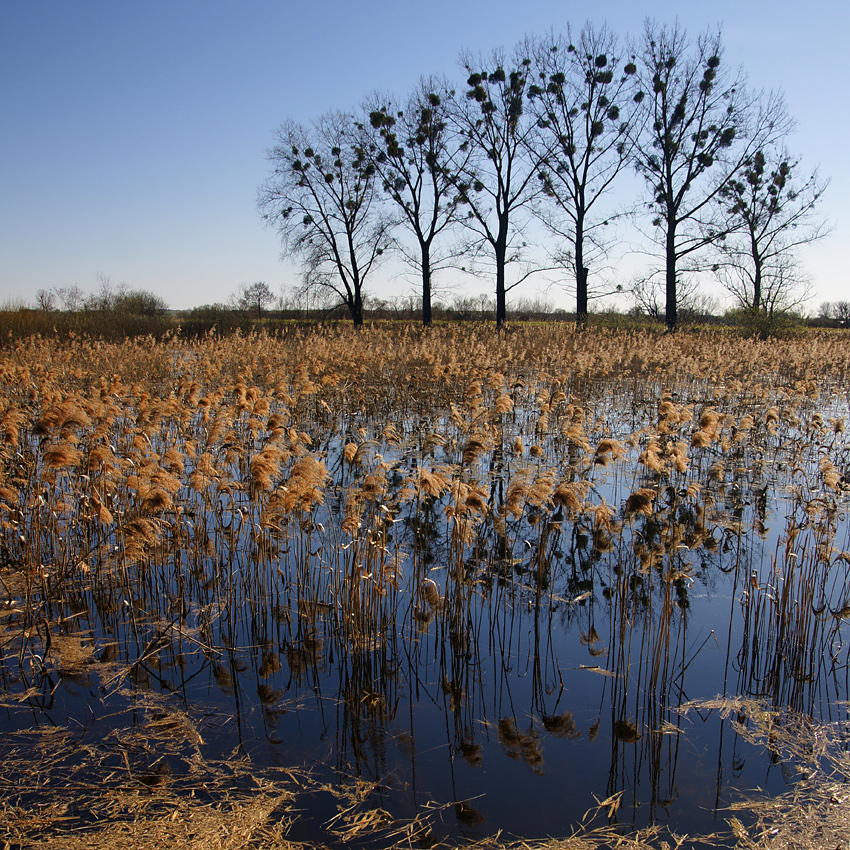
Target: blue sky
[[133, 135]]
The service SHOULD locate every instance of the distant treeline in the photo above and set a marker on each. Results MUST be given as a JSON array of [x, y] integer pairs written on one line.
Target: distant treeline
[[118, 322]]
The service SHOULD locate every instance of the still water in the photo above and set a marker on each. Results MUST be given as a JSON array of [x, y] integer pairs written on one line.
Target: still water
[[484, 635]]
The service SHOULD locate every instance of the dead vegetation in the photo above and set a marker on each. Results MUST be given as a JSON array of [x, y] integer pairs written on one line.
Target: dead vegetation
[[815, 814], [90, 804], [257, 509]]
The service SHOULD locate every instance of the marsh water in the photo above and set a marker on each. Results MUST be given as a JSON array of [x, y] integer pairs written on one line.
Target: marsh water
[[485, 621]]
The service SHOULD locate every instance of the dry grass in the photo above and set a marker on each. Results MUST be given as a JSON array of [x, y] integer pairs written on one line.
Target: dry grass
[[110, 797], [815, 814], [155, 493]]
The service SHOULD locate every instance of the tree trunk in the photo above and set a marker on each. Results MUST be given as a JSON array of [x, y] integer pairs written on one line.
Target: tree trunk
[[756, 276], [501, 300], [581, 297], [426, 284], [670, 317], [356, 308], [581, 274]]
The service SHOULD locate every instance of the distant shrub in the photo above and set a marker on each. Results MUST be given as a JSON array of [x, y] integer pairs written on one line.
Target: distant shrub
[[765, 325], [109, 325]]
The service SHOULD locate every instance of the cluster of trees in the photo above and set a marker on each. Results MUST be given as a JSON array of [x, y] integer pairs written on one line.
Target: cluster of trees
[[109, 311], [106, 298], [836, 311], [455, 175]]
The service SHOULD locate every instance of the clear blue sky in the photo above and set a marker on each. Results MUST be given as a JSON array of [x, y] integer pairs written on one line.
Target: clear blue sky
[[133, 135]]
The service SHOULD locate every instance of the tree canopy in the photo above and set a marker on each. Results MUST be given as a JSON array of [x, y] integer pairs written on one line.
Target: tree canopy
[[415, 158], [584, 102], [459, 172], [321, 197]]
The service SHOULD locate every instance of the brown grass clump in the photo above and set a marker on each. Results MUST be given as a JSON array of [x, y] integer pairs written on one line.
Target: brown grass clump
[[140, 536], [640, 502], [708, 431], [304, 489], [433, 483], [652, 457], [204, 474], [14, 418], [701, 439], [62, 455], [830, 473], [608, 450], [570, 495], [265, 466], [66, 418], [503, 404], [102, 459], [478, 443], [469, 499], [517, 491], [173, 461], [678, 453]]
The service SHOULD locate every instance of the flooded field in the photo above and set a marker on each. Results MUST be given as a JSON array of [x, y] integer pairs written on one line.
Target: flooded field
[[406, 587]]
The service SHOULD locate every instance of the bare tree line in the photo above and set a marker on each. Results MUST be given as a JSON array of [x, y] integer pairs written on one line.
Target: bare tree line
[[107, 297], [467, 173]]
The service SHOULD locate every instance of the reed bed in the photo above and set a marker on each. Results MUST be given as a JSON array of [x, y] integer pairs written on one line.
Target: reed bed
[[393, 512]]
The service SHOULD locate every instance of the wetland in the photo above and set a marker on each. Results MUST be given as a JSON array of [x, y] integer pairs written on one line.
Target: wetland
[[406, 587]]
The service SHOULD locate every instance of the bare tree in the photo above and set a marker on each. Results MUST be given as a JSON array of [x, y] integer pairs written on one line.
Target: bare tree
[[321, 198], [771, 214], [413, 156], [498, 180], [701, 127], [103, 298], [693, 304], [583, 99], [45, 300], [70, 297], [255, 296]]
